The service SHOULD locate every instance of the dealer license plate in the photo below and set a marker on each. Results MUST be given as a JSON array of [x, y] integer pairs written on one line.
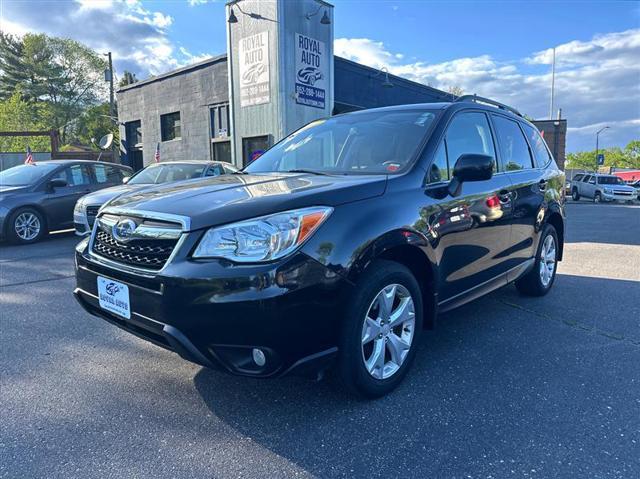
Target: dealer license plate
[[114, 297]]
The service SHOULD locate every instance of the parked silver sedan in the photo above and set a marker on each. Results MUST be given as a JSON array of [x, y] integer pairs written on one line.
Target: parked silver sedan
[[87, 207]]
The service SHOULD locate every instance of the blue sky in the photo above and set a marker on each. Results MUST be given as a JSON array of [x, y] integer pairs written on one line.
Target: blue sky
[[496, 49]]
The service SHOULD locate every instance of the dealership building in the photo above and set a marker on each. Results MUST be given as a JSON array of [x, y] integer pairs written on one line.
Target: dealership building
[[278, 74]]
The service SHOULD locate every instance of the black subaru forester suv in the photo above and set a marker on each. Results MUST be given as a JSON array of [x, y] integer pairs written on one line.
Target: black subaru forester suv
[[337, 246]]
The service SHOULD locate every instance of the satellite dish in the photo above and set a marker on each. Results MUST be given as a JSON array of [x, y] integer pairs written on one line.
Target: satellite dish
[[105, 141]]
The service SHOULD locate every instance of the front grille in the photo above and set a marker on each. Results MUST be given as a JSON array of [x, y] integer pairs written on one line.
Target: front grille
[[92, 212], [143, 253], [622, 192]]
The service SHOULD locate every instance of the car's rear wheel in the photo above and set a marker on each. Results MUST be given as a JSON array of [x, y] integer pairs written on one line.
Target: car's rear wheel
[[26, 225], [540, 279], [575, 195], [380, 330]]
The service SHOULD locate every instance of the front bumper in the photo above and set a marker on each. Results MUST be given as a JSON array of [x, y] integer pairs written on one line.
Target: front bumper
[[215, 314], [618, 197]]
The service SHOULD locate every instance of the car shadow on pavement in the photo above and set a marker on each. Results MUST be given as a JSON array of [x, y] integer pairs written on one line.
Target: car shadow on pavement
[[492, 380]]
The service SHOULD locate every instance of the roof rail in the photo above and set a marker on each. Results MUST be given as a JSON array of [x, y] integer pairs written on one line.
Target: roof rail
[[480, 99]]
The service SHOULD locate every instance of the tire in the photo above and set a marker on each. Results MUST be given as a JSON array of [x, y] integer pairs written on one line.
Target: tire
[[575, 195], [26, 226], [536, 282], [362, 340], [597, 198]]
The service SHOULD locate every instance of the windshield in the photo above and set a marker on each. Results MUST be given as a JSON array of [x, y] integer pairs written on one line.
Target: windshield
[[155, 174], [25, 174], [609, 180], [367, 142]]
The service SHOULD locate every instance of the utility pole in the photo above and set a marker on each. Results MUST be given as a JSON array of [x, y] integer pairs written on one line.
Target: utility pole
[[553, 82], [112, 102], [598, 145]]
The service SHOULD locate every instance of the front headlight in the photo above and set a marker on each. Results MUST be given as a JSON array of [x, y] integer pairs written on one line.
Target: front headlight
[[608, 191], [262, 239], [79, 208]]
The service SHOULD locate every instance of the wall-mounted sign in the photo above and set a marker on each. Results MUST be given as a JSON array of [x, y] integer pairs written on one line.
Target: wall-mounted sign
[[312, 70], [253, 52]]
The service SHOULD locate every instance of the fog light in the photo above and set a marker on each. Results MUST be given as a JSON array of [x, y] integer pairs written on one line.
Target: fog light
[[259, 357]]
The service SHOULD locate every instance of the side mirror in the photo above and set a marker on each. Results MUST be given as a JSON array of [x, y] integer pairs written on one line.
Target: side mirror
[[470, 167], [125, 180], [57, 183]]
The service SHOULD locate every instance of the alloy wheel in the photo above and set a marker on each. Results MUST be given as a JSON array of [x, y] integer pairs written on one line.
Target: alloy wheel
[[27, 226], [547, 260], [387, 331]]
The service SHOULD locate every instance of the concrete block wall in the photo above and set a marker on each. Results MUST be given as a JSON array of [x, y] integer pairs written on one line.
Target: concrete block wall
[[190, 91]]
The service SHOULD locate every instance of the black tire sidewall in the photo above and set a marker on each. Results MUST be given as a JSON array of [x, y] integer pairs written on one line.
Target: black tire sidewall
[[547, 230], [575, 195], [352, 369], [11, 226]]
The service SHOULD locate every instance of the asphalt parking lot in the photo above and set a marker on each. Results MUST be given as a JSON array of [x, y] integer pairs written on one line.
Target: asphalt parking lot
[[506, 386]]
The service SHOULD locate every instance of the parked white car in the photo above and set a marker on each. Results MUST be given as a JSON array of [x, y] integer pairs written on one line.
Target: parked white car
[[599, 188]]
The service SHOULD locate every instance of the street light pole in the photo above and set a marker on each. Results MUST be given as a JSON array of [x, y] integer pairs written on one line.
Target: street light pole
[[598, 145]]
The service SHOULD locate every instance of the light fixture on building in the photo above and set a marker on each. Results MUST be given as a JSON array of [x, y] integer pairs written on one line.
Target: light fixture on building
[[325, 20], [387, 82], [232, 17]]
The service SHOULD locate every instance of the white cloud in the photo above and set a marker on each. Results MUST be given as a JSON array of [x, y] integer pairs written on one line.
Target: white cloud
[[199, 2], [597, 81], [137, 36]]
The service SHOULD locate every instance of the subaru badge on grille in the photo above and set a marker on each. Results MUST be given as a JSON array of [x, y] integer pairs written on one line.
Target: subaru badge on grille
[[123, 230]]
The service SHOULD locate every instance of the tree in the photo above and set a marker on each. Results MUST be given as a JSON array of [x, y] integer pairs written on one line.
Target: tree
[[17, 114], [11, 65], [61, 72], [94, 123], [629, 157], [128, 78], [455, 90]]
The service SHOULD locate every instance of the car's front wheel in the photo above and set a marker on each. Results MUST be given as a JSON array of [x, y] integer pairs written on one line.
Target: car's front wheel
[[540, 279], [575, 195], [380, 330], [26, 225], [597, 198]]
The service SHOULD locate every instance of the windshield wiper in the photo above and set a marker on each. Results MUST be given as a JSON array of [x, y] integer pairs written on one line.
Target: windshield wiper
[[311, 172]]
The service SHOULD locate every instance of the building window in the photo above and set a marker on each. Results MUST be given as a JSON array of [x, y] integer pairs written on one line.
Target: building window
[[170, 126], [220, 121], [133, 130], [221, 151]]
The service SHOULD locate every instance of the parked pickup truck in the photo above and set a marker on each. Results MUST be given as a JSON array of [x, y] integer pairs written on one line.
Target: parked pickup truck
[[601, 188]]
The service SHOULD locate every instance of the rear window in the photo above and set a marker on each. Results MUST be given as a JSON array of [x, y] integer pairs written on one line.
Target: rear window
[[514, 150], [541, 155], [610, 180]]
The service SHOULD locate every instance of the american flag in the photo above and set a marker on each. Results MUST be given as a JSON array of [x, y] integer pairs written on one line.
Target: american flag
[[157, 155], [29, 159]]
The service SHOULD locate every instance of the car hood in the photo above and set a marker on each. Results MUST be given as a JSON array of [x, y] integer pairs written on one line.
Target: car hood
[[620, 187], [100, 197], [227, 198]]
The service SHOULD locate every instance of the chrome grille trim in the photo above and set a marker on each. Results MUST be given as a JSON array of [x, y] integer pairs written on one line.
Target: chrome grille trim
[[107, 218]]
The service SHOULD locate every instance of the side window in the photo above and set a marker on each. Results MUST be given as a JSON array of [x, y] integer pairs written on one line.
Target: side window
[[439, 169], [107, 174], [469, 133], [214, 171], [540, 152], [578, 177], [76, 175], [514, 150], [586, 179]]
